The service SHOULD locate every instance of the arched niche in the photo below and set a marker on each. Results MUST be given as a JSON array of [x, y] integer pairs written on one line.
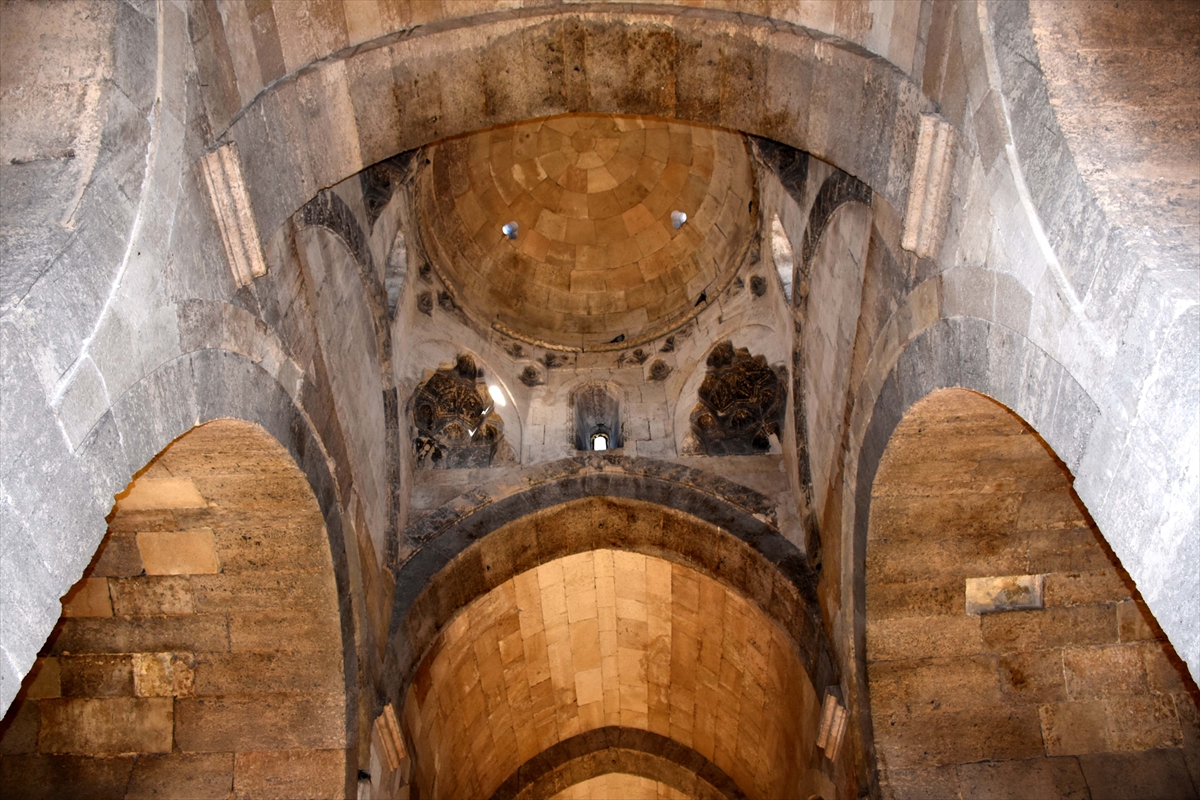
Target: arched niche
[[596, 409], [610, 638], [202, 650], [1007, 651]]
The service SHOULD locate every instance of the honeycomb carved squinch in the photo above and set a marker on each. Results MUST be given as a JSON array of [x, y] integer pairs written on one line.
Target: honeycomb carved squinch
[[455, 425], [740, 404]]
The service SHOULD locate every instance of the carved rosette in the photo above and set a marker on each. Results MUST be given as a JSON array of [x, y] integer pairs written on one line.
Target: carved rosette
[[740, 404], [456, 427]]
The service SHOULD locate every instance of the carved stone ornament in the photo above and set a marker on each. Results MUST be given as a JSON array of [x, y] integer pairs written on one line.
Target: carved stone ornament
[[456, 427], [740, 404]]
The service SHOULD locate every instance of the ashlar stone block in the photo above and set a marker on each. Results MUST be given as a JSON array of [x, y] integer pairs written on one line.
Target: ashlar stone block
[[167, 493], [179, 552], [88, 598], [111, 725]]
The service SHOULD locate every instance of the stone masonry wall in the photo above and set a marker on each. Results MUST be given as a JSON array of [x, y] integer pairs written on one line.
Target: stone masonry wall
[[200, 655], [1070, 690]]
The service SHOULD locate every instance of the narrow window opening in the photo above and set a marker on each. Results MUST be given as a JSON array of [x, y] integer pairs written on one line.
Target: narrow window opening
[[597, 418], [781, 252]]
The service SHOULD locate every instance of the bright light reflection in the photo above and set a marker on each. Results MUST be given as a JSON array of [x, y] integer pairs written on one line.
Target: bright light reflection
[[497, 395]]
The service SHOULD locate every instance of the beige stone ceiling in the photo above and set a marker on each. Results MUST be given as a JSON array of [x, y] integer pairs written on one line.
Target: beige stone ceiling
[[605, 638], [618, 786], [596, 255]]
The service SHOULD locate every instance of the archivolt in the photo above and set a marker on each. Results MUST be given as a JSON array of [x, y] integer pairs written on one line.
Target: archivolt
[[968, 353], [409, 88]]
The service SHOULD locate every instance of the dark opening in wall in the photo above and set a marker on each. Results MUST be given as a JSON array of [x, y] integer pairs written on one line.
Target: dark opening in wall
[[597, 418]]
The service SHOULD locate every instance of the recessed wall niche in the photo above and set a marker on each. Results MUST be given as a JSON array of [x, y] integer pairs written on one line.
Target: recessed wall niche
[[597, 417]]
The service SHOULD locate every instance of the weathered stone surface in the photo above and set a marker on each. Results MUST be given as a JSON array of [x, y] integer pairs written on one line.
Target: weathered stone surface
[[20, 733], [1093, 673], [118, 556], [143, 635], [1085, 666], [162, 493], [279, 775], [88, 598], [1070, 729], [1024, 780], [263, 630], [980, 734], [1051, 627], [179, 552], [262, 672], [163, 674], [1125, 776], [923, 637], [41, 777], [207, 776], [1081, 320], [96, 676], [258, 722], [87, 726], [152, 596]]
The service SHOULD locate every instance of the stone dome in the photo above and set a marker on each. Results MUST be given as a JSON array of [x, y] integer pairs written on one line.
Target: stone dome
[[596, 256]]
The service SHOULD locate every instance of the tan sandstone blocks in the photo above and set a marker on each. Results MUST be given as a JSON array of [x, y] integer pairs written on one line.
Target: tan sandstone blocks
[[162, 493], [612, 637], [179, 552], [92, 726], [596, 253], [260, 722], [286, 774], [1045, 660], [197, 776], [206, 640], [88, 598]]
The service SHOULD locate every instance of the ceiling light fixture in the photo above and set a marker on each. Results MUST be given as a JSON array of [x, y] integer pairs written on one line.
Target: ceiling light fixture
[[677, 219], [509, 229]]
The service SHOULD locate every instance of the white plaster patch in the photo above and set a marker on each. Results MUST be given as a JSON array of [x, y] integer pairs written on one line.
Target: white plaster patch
[[1004, 593]]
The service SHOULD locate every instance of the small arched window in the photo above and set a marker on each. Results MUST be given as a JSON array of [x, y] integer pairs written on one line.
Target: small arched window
[[597, 418]]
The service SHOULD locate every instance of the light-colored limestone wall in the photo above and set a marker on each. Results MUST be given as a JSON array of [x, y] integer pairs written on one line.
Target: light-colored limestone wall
[[834, 302], [1038, 300], [1126, 95], [407, 90], [55, 85], [347, 339], [134, 330], [83, 322], [249, 48], [1066, 690], [1031, 250], [201, 654]]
